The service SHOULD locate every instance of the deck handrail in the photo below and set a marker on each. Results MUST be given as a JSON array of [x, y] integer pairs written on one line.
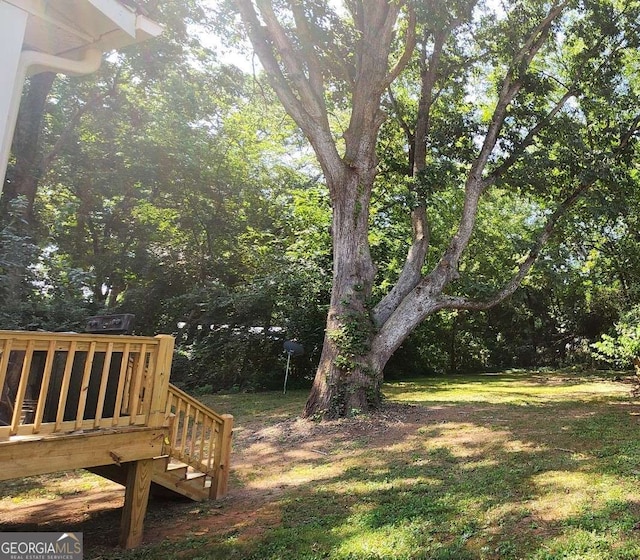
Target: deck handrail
[[64, 382], [200, 437]]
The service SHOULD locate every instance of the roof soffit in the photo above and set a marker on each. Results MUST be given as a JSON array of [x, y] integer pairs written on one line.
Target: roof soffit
[[68, 27]]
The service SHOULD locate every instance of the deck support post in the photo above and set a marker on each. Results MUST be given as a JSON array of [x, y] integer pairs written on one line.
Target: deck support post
[[136, 497], [222, 459], [158, 403]]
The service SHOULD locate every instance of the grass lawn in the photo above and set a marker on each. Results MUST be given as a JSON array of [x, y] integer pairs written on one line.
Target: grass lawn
[[539, 466]]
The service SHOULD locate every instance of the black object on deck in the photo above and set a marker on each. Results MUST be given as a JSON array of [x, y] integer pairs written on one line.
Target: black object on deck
[[110, 324]]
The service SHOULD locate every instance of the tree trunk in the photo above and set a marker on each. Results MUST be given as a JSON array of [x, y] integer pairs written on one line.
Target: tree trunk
[[22, 178], [349, 375]]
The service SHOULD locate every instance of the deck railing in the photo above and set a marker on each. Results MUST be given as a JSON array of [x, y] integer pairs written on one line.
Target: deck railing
[[64, 382], [201, 438]]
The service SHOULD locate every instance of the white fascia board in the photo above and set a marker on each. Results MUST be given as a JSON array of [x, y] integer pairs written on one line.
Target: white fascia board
[[137, 26], [148, 27], [122, 16]]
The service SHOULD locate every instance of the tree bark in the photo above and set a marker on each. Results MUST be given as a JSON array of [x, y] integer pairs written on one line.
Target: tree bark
[[348, 379], [22, 178]]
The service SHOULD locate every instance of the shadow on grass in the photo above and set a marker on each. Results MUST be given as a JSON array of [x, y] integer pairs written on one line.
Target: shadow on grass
[[99, 525], [526, 495], [452, 479]]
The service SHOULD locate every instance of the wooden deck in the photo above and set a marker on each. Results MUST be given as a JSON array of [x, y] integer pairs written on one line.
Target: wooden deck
[[104, 402]]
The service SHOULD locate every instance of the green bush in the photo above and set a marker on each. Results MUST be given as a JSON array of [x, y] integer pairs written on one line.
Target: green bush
[[621, 349]]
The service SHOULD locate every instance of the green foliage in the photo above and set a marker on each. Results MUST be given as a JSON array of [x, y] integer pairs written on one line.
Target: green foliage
[[233, 338], [38, 288], [623, 348], [17, 253]]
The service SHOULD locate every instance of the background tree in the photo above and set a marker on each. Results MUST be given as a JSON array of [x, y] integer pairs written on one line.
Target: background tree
[[179, 185]]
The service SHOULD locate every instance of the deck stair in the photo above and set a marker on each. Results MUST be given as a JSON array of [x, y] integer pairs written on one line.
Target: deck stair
[[182, 479], [194, 463]]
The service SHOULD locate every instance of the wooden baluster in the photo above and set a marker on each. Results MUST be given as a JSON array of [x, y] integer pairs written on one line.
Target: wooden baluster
[[4, 361], [185, 430], [122, 379], [216, 428], [5, 431], [66, 379], [194, 435], [203, 438], [22, 387], [44, 386], [213, 427], [104, 378], [149, 380], [176, 426], [84, 387]]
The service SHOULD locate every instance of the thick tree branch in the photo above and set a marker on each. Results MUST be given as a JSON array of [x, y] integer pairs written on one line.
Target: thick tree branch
[[263, 46], [428, 75], [375, 22], [310, 98], [572, 91], [409, 46], [539, 35], [526, 141], [304, 105], [452, 302], [305, 36], [447, 268], [412, 269], [512, 85], [632, 131]]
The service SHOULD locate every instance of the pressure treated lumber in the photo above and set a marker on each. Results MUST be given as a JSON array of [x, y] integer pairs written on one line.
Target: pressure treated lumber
[[40, 455], [136, 498]]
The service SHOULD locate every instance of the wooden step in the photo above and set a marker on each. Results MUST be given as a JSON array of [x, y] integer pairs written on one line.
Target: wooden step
[[178, 471], [173, 477], [195, 491], [195, 476]]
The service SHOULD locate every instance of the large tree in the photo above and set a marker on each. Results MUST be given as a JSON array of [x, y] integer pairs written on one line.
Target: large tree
[[544, 108]]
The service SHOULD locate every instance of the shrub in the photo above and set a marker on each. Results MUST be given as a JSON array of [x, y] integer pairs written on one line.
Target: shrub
[[623, 348]]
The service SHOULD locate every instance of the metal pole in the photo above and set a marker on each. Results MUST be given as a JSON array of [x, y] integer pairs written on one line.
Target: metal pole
[[286, 373]]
